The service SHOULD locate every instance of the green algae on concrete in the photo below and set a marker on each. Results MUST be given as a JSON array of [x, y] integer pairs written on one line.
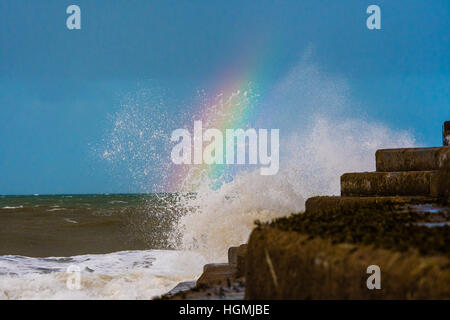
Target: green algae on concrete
[[404, 183], [291, 265], [381, 226], [320, 203]]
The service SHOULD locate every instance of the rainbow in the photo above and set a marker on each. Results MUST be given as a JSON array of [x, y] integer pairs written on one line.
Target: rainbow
[[233, 106], [230, 111]]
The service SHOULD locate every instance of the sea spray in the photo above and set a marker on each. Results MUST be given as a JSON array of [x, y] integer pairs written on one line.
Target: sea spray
[[136, 142], [224, 217], [323, 139]]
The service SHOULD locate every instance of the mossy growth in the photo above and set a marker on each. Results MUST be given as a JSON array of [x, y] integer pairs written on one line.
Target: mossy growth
[[381, 226]]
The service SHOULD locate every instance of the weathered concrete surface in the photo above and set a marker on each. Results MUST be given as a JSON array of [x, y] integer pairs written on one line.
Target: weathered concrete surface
[[446, 133], [316, 204], [182, 286], [241, 260], [219, 281], [232, 255], [408, 183], [290, 265], [412, 159], [443, 185], [217, 274], [233, 291], [236, 256]]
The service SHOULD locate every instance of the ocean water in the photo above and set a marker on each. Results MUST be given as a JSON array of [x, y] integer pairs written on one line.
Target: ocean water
[[119, 243], [66, 225]]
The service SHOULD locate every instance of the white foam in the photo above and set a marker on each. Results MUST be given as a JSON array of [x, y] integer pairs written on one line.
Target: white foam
[[119, 275], [225, 217]]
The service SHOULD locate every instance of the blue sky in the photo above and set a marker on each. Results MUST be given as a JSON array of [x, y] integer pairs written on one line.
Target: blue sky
[[58, 87]]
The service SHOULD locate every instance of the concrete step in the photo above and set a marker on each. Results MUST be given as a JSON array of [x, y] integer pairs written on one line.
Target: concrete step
[[412, 159], [236, 257], [217, 274], [409, 183], [446, 133], [324, 203]]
